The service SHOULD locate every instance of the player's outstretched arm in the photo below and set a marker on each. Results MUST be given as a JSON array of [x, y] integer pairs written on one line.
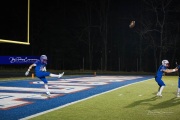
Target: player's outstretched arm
[[29, 69], [170, 70]]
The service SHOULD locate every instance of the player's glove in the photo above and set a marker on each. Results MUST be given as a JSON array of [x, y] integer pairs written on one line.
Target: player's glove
[[27, 73]]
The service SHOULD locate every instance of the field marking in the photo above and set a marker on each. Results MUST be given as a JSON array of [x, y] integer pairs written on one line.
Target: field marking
[[47, 111]]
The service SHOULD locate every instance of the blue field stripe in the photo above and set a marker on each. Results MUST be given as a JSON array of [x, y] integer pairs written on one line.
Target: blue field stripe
[[38, 106]]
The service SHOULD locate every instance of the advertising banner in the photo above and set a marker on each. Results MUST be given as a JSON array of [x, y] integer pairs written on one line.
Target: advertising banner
[[18, 59]]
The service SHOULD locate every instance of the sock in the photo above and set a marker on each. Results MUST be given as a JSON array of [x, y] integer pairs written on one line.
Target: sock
[[178, 90], [46, 87], [53, 75], [161, 89]]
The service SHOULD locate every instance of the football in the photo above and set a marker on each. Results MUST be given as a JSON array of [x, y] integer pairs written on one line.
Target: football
[[132, 24]]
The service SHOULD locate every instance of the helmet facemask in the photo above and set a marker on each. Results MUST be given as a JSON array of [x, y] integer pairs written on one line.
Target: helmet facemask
[[167, 65]]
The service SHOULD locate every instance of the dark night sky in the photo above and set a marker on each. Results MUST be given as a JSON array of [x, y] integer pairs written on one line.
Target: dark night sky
[[59, 29]]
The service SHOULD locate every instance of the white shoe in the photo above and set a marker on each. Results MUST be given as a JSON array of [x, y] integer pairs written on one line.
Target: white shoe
[[159, 95], [60, 75], [178, 95], [48, 94]]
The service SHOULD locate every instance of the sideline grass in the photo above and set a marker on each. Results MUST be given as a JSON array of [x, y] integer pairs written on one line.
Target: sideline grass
[[134, 102]]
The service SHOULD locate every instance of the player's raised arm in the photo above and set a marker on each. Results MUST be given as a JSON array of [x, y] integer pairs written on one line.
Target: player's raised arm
[[30, 67]]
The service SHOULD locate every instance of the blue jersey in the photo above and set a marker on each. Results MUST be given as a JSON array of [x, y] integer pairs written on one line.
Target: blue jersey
[[178, 67], [39, 66], [160, 72]]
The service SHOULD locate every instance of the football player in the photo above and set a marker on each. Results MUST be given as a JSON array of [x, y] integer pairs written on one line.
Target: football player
[[162, 69], [41, 73]]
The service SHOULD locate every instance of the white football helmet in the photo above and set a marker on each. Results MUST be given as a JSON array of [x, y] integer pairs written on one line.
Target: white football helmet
[[43, 59], [165, 63]]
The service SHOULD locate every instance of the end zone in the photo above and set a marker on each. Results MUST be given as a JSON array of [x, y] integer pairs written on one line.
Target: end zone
[[64, 93]]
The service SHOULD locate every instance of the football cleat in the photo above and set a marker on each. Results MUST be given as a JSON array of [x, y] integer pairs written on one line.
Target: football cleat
[[60, 75], [48, 94], [178, 95], [159, 95]]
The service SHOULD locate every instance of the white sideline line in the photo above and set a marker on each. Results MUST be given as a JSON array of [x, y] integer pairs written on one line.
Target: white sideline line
[[47, 111]]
